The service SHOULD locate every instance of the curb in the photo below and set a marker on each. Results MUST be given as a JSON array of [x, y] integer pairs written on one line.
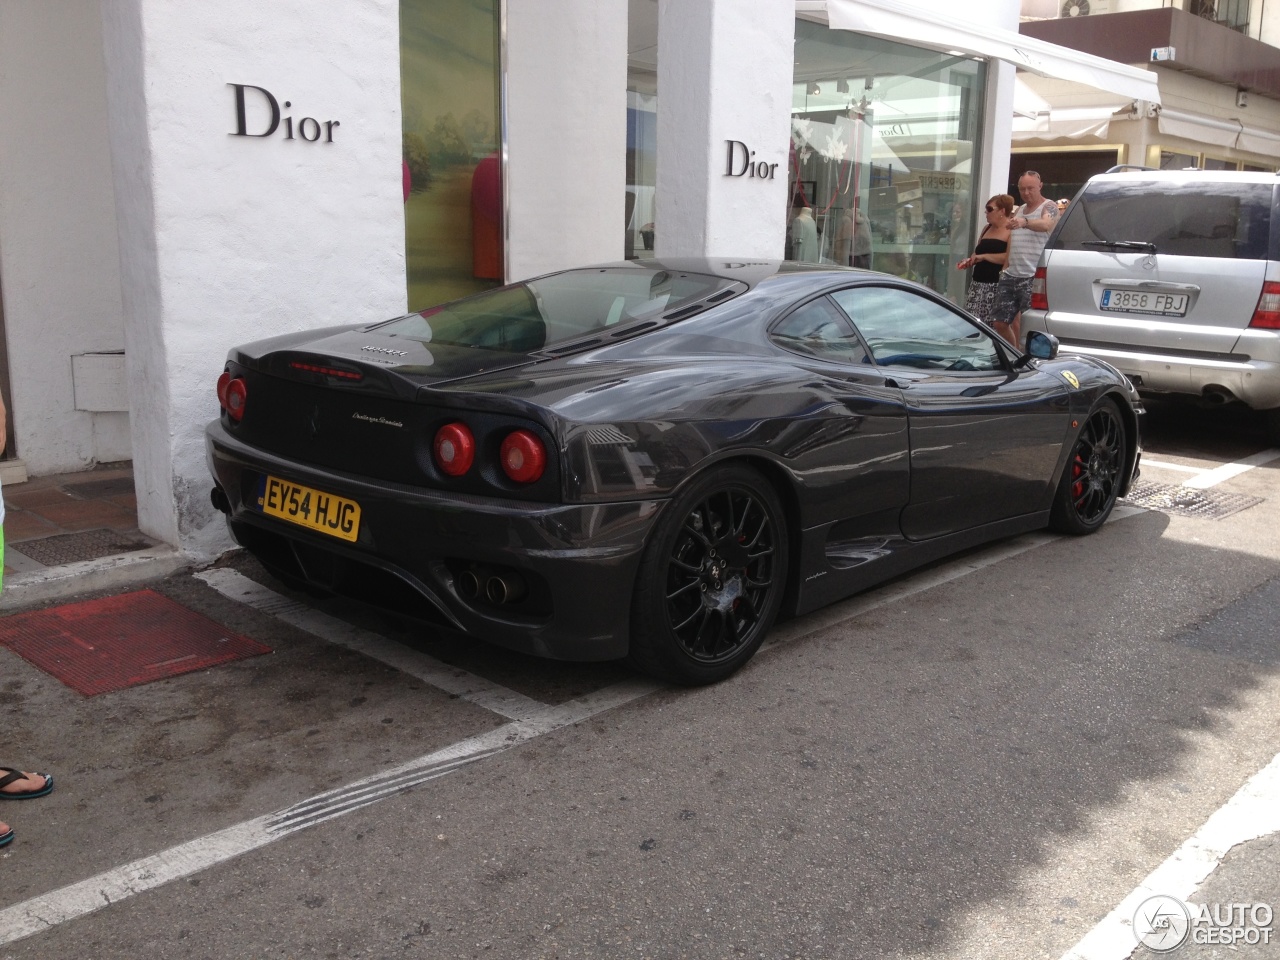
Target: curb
[[105, 573]]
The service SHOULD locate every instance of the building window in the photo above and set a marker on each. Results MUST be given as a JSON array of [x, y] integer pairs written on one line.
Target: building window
[[453, 212], [884, 144], [1170, 160]]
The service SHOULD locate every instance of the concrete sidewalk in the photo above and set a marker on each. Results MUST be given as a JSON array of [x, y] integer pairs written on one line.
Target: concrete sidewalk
[[75, 533]]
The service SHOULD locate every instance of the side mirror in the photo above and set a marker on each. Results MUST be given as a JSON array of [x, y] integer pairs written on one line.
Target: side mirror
[[1042, 346]]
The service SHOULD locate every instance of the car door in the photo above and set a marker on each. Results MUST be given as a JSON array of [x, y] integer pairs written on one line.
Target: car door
[[985, 437], [853, 456]]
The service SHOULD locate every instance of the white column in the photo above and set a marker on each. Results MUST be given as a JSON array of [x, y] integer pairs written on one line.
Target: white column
[[997, 131], [725, 71], [227, 238], [566, 121]]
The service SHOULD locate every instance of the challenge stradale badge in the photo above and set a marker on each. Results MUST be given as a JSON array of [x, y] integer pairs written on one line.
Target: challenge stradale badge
[[1070, 377]]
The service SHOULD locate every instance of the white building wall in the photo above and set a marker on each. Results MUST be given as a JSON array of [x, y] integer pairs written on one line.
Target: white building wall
[[725, 69], [566, 120], [59, 267], [226, 239]]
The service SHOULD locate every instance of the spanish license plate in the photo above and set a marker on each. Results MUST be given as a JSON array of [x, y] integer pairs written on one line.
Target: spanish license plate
[[1144, 301], [310, 508]]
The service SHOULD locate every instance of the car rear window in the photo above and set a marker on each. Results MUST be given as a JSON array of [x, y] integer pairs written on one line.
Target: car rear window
[[1193, 219], [562, 307]]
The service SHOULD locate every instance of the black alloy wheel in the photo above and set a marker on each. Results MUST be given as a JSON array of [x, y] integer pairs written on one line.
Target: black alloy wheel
[[1091, 481], [712, 579]]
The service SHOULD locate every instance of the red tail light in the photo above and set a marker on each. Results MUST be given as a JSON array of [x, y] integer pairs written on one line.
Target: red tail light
[[523, 456], [236, 397], [455, 449], [1267, 314], [1039, 293], [222, 389]]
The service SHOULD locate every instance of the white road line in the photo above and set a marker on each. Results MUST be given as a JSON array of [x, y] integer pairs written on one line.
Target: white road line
[[1166, 465], [534, 719], [1228, 470], [466, 686], [40, 913], [1253, 812]]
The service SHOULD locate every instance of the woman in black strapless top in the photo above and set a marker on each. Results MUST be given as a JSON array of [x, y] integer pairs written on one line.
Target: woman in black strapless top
[[988, 257]]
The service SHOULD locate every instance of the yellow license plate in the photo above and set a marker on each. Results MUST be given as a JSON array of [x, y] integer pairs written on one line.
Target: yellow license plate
[[313, 509]]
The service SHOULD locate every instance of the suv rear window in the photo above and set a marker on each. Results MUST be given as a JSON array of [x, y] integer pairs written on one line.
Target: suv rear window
[[1192, 219]]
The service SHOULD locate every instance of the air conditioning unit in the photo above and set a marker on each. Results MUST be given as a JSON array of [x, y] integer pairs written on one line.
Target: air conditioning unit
[[1083, 8]]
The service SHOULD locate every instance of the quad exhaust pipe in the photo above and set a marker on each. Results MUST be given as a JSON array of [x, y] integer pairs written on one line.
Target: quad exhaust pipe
[[496, 586], [505, 588], [220, 501]]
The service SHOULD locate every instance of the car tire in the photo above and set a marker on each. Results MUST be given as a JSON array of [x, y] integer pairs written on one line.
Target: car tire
[[1091, 478], [711, 579]]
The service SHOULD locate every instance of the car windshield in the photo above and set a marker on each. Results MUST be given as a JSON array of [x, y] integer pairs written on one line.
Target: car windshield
[[1194, 219], [560, 308]]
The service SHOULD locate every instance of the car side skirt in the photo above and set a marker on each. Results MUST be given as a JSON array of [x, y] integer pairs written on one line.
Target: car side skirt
[[822, 582]]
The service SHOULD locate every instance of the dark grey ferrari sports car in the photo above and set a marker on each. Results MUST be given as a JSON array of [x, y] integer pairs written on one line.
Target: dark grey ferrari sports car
[[654, 460]]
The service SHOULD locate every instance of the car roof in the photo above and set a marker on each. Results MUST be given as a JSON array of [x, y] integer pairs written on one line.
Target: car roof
[[1182, 176]]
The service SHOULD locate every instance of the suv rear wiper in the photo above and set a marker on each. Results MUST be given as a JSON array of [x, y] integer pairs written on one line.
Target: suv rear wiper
[[1121, 244]]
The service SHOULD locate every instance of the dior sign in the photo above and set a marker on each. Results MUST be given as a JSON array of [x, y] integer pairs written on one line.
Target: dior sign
[[308, 128], [740, 162]]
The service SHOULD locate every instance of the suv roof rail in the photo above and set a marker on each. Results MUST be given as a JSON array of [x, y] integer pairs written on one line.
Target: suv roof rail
[[1128, 166]]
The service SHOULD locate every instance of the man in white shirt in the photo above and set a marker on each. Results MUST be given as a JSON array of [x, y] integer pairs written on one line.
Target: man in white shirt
[[1030, 227]]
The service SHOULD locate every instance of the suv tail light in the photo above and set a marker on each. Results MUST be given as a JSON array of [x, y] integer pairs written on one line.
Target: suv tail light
[[1039, 294], [523, 456], [1267, 313]]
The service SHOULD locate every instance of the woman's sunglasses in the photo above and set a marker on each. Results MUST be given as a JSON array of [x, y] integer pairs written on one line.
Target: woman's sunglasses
[[991, 209]]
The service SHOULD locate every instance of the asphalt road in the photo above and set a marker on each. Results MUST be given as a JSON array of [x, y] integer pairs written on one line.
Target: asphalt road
[[983, 759]]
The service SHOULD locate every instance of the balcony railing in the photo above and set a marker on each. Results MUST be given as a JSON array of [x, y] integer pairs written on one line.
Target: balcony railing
[[1230, 13]]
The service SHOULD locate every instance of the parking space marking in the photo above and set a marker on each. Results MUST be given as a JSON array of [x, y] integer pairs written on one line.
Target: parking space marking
[[1228, 470], [464, 685], [536, 719], [1166, 465], [1253, 812], [88, 896]]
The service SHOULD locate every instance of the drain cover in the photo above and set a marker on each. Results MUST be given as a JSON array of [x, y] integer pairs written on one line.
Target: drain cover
[[1188, 501], [86, 545], [116, 642], [100, 489]]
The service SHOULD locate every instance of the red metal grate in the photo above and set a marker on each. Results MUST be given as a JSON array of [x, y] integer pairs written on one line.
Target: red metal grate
[[116, 642]]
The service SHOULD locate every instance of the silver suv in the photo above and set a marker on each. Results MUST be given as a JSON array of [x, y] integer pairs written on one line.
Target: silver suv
[[1173, 277]]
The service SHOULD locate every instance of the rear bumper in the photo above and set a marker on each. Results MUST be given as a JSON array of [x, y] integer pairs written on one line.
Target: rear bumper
[[1251, 374], [579, 561]]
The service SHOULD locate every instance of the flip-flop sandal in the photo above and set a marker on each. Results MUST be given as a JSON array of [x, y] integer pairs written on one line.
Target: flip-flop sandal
[[6, 838], [13, 776]]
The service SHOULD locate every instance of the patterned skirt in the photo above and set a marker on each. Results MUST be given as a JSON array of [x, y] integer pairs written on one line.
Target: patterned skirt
[[980, 300]]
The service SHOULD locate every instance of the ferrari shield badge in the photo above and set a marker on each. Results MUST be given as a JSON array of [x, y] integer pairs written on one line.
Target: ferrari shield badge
[[1070, 377]]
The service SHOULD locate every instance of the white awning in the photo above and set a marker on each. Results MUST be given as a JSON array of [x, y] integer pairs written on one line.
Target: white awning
[[1065, 122], [1037, 118], [1253, 140], [896, 20], [1197, 127]]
